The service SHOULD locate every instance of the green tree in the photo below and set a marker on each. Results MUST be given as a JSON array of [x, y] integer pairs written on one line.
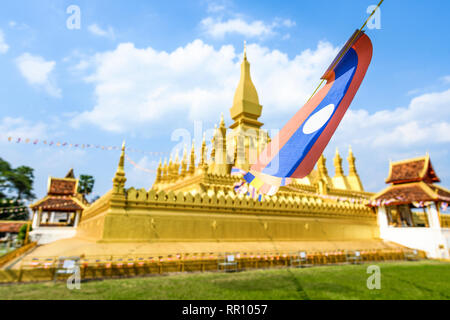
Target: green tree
[[86, 184], [5, 171], [23, 232], [16, 186]]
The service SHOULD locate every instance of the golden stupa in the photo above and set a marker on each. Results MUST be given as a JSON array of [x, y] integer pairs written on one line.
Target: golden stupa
[[192, 206]]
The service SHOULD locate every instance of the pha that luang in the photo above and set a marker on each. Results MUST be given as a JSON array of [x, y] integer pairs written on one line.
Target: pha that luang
[[192, 198], [192, 205]]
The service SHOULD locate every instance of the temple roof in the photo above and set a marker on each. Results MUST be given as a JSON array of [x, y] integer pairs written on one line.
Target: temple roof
[[62, 186], [10, 227], [412, 170], [411, 181], [55, 203], [412, 192], [62, 195]]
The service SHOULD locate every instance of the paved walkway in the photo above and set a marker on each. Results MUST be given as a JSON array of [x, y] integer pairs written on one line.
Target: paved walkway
[[90, 249]]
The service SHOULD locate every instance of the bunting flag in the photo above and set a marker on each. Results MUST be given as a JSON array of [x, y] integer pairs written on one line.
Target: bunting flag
[[298, 146], [134, 164], [80, 145], [13, 209], [444, 206]]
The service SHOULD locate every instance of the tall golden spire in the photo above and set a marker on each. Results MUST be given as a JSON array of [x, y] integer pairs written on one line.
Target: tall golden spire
[[338, 171], [176, 164], [353, 178], [339, 180], [184, 162], [165, 175], [351, 162], [158, 172], [171, 173], [119, 178], [322, 167], [192, 162], [203, 152], [213, 145], [246, 108]]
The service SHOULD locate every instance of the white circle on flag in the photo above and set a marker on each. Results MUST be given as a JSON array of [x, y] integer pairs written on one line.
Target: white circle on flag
[[317, 120]]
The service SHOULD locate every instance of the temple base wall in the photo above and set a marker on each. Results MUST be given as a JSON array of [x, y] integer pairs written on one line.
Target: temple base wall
[[141, 216], [166, 226]]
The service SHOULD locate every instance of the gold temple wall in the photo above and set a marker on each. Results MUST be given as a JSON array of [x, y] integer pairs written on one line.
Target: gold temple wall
[[141, 216]]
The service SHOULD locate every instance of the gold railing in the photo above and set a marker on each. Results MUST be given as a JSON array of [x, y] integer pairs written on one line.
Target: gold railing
[[44, 269], [16, 253]]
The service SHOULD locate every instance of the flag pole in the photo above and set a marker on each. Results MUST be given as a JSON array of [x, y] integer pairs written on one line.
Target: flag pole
[[349, 43]]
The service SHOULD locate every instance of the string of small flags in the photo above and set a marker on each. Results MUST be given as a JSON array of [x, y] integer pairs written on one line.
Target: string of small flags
[[138, 166], [13, 209], [7, 201], [80, 145]]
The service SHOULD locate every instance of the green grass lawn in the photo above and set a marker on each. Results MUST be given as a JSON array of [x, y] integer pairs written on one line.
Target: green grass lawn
[[407, 280], [4, 250]]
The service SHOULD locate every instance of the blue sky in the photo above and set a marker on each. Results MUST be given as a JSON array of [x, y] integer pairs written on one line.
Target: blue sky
[[145, 71]]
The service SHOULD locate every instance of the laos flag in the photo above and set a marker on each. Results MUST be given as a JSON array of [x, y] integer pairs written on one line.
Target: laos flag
[[298, 146]]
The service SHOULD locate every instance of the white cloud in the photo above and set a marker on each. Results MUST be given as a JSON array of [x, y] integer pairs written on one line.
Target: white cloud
[[217, 28], [143, 174], [3, 45], [21, 128], [423, 123], [98, 31], [396, 134], [138, 89], [445, 79], [37, 71]]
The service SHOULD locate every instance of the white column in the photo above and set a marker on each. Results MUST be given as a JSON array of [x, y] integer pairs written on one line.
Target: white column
[[52, 217], [35, 219], [39, 217], [433, 216], [382, 219], [77, 218]]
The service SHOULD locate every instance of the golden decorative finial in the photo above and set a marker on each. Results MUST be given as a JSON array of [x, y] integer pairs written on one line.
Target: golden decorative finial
[[176, 165], [158, 172], [322, 167], [222, 120], [192, 162], [119, 178], [338, 171], [184, 162], [171, 168], [245, 49], [351, 162], [165, 168], [203, 151]]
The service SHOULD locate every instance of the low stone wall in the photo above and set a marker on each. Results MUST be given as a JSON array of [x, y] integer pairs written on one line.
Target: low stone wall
[[16, 253]]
